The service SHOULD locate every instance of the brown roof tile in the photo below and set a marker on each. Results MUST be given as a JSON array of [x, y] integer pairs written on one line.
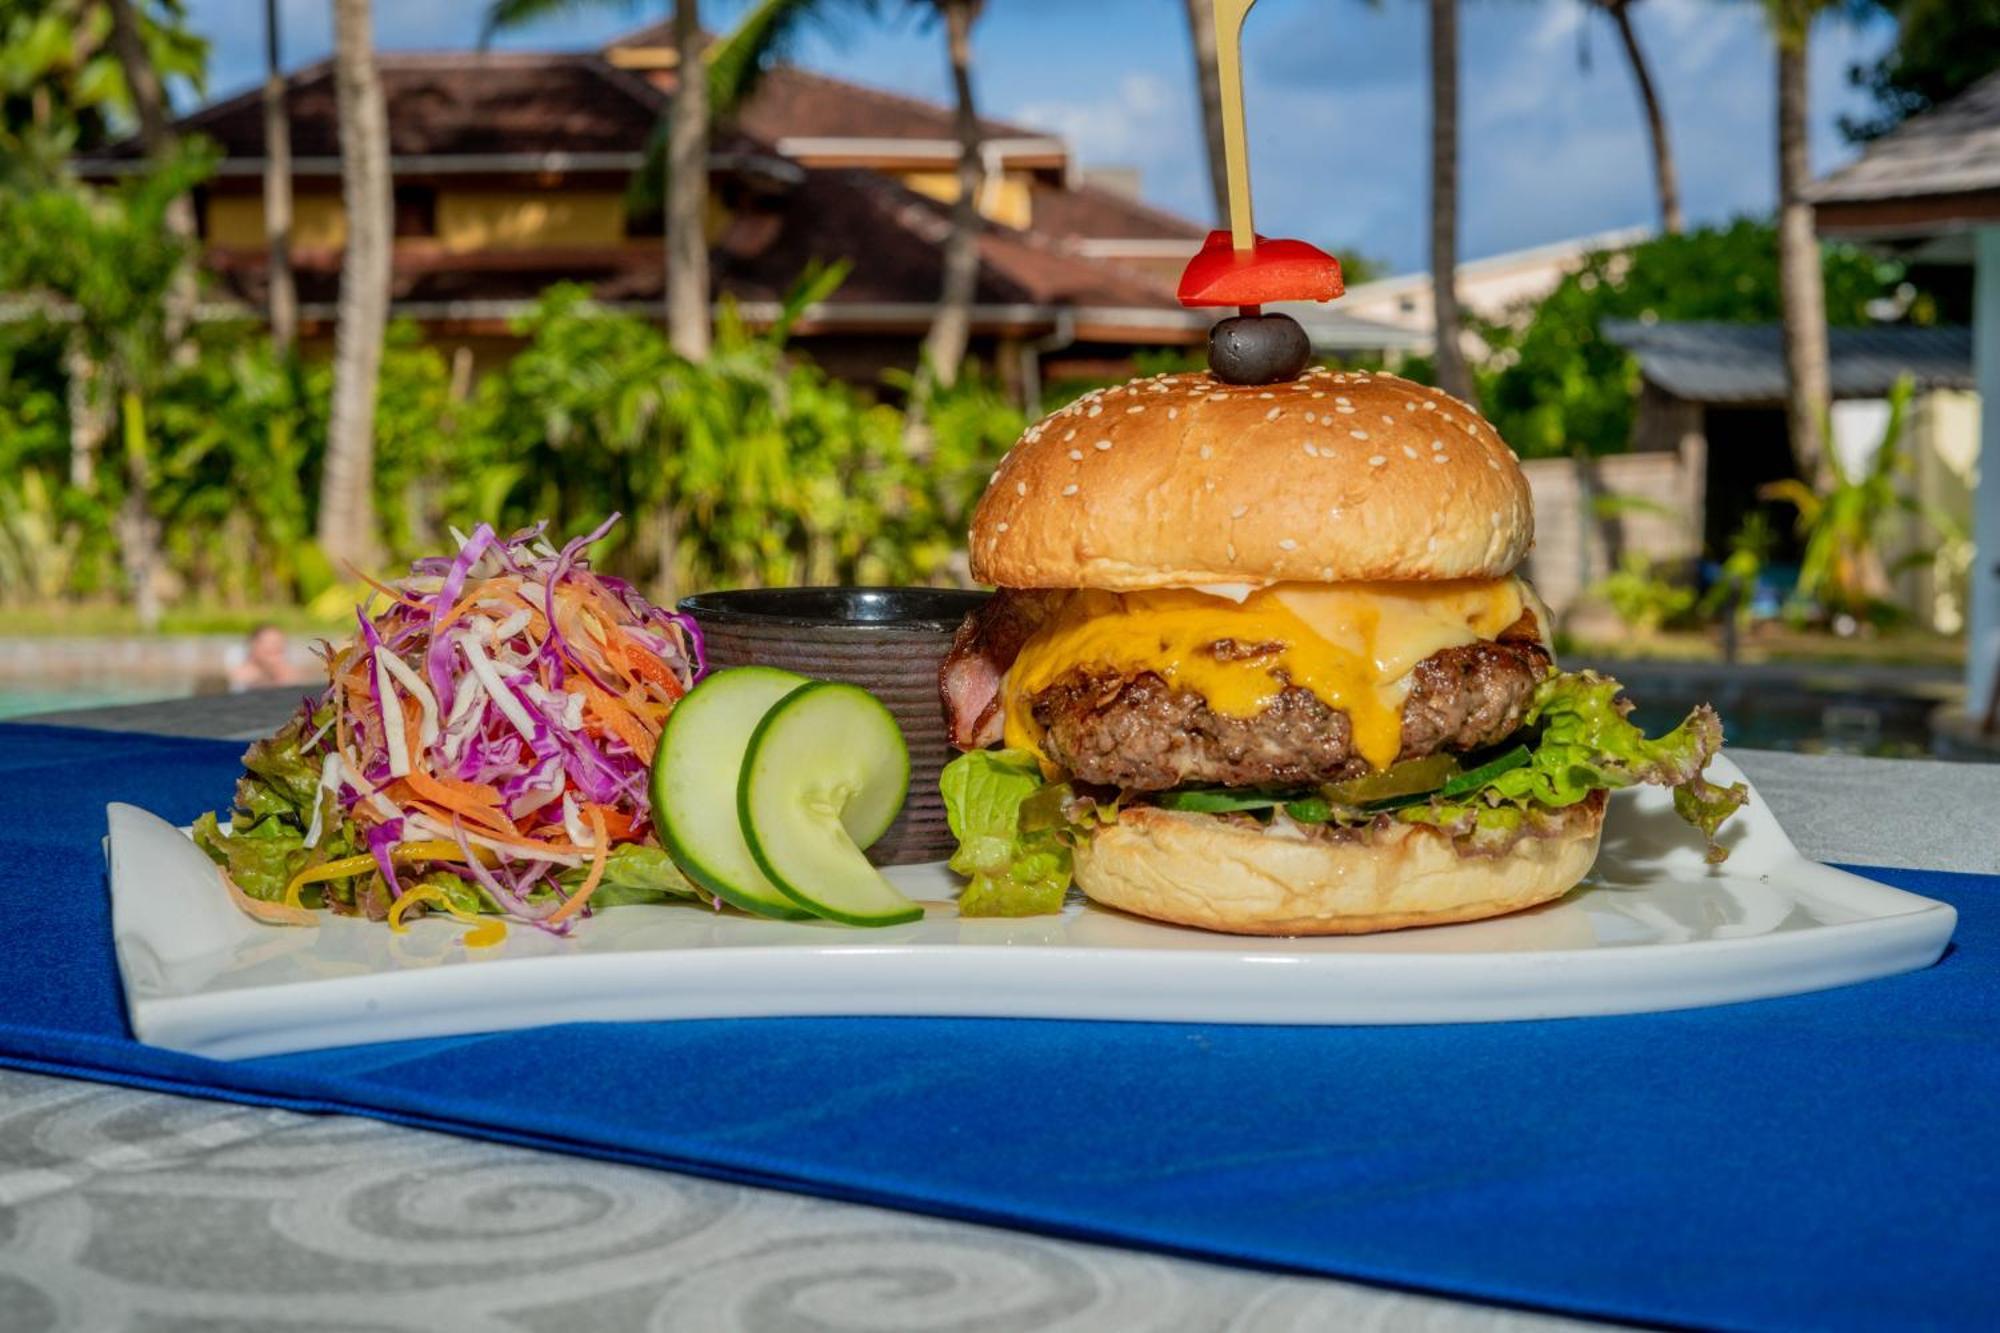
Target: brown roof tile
[[454, 104], [792, 102], [1093, 212]]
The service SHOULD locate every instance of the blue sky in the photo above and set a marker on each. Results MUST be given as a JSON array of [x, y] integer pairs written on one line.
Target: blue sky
[[1554, 145]]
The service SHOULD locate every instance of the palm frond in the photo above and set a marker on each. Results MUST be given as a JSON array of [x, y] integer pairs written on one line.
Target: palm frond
[[505, 15], [763, 37]]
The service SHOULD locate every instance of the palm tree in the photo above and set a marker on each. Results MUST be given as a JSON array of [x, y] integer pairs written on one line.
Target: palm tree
[[1665, 179], [1801, 283], [687, 191], [1208, 85], [346, 506], [733, 66], [283, 297], [951, 327], [156, 136], [1452, 374]]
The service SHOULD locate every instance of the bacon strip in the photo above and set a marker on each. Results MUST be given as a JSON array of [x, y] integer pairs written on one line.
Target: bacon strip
[[980, 655]]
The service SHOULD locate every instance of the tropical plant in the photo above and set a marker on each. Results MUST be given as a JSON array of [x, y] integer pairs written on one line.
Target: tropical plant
[[1642, 595], [1735, 587], [346, 526], [97, 273], [1846, 523]]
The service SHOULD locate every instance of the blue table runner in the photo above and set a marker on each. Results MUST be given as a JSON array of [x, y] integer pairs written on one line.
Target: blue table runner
[[1824, 1161]]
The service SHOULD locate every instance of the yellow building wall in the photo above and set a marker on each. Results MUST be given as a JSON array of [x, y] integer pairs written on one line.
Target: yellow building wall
[[236, 222], [509, 220], [1008, 201]]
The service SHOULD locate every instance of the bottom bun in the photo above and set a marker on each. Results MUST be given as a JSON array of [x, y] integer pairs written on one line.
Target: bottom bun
[[1197, 870]]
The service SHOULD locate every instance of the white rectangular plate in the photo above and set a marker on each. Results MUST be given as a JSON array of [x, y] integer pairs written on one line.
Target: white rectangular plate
[[1652, 928]]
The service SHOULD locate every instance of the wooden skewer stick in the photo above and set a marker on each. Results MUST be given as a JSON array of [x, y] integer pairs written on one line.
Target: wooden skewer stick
[[1229, 16]]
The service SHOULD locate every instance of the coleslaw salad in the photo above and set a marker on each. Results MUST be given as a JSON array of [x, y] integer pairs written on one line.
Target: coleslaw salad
[[482, 749]]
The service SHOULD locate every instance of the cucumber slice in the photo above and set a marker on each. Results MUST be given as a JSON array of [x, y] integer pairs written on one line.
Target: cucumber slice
[[824, 776], [694, 785]]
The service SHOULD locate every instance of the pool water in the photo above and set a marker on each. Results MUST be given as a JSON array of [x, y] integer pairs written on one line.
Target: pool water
[[1770, 711], [27, 700]]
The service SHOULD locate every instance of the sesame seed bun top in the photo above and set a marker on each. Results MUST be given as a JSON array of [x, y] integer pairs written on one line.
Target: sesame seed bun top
[[1182, 480]]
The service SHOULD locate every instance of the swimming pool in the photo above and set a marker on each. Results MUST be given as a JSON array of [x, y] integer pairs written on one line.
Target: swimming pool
[[21, 700]]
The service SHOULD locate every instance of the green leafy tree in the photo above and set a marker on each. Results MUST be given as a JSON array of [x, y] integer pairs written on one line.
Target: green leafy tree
[[99, 270], [1555, 384], [1942, 48]]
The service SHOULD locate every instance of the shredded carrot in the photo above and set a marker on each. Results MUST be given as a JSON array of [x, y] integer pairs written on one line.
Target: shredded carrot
[[489, 588], [393, 594], [628, 728], [598, 860], [653, 671], [457, 794]]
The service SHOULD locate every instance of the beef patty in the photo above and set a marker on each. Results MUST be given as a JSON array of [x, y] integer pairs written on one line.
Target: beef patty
[[1139, 733]]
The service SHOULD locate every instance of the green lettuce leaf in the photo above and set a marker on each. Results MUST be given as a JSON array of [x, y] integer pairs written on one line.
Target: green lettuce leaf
[[634, 873], [1586, 743], [1017, 868], [266, 843]]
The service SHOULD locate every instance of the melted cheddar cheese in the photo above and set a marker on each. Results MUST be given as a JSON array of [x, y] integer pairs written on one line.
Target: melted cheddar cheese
[[1353, 645]]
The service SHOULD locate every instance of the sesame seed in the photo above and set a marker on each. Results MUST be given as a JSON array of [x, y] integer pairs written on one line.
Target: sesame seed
[[1267, 395], [1173, 413], [1020, 488], [1239, 511], [1076, 455], [1288, 545], [1440, 458], [1002, 528], [1068, 436], [1070, 489], [1326, 573], [1274, 413], [1231, 548], [1359, 434], [1135, 408], [1310, 451], [1101, 445], [1207, 452], [1341, 399], [1493, 463], [1344, 410], [1217, 397], [1388, 420], [1096, 410], [1449, 419], [1432, 545], [995, 477], [1408, 452], [1318, 394], [1409, 406], [1430, 405], [1376, 460], [1437, 446], [1311, 417]]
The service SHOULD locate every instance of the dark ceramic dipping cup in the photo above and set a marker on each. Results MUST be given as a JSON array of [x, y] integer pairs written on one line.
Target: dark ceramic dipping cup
[[889, 641]]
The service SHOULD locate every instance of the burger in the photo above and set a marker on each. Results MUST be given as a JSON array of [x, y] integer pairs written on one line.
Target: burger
[[1260, 660]]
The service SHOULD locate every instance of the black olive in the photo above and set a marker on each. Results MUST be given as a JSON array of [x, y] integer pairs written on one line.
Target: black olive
[[1258, 349]]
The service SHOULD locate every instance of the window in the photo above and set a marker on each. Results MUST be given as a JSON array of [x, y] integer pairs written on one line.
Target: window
[[416, 210]]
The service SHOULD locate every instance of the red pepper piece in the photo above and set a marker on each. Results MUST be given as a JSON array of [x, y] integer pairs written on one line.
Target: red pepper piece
[[1280, 270]]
